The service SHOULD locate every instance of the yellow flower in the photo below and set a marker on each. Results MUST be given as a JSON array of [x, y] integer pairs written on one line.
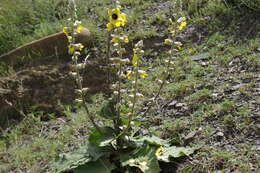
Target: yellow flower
[[126, 39], [79, 28], [168, 41], [182, 25], [129, 75], [74, 47], [116, 18], [135, 58], [66, 31], [143, 74], [178, 44], [71, 49], [81, 46], [115, 40], [159, 151], [109, 26]]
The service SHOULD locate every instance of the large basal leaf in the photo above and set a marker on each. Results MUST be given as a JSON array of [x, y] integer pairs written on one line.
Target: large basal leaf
[[102, 165], [103, 138], [68, 161], [166, 153], [143, 158]]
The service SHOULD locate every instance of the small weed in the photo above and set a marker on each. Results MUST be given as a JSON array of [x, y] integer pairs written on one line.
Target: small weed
[[198, 71], [177, 126], [224, 107], [229, 120], [199, 97], [182, 88]]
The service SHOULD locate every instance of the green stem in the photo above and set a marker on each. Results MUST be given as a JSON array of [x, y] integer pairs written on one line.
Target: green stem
[[82, 95], [108, 56], [79, 83], [134, 100], [160, 89], [119, 99]]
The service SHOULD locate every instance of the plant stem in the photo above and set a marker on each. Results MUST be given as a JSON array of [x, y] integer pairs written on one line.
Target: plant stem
[[108, 55], [160, 89], [118, 120], [134, 100], [82, 95]]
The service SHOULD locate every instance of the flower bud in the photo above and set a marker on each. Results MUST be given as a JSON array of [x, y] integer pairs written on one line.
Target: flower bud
[[122, 76], [122, 50], [116, 60], [160, 81], [80, 66], [181, 19], [139, 95], [130, 114], [74, 58], [116, 93], [125, 61], [171, 69], [139, 44], [73, 74], [85, 90], [131, 96], [79, 101], [78, 91], [76, 53], [169, 53], [177, 43], [122, 90], [115, 44], [113, 86], [168, 41], [130, 104]]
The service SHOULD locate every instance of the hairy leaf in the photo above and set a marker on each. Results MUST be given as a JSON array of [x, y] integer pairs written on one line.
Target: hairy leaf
[[166, 153], [143, 158], [102, 165], [102, 139], [71, 160], [85, 154]]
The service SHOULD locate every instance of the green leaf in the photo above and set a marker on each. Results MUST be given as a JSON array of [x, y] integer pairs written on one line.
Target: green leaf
[[68, 161], [173, 152], [102, 139], [102, 165], [143, 158], [109, 110], [71, 160]]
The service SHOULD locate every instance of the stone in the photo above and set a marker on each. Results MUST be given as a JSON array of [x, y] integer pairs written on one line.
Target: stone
[[55, 45]]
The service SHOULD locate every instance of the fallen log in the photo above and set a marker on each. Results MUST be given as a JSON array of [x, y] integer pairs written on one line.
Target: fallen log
[[55, 45]]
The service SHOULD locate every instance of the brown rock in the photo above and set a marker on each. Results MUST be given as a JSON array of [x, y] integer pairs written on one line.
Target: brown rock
[[52, 45]]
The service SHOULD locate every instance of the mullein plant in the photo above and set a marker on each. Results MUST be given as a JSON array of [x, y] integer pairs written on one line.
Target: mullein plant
[[120, 147], [175, 46], [75, 49]]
